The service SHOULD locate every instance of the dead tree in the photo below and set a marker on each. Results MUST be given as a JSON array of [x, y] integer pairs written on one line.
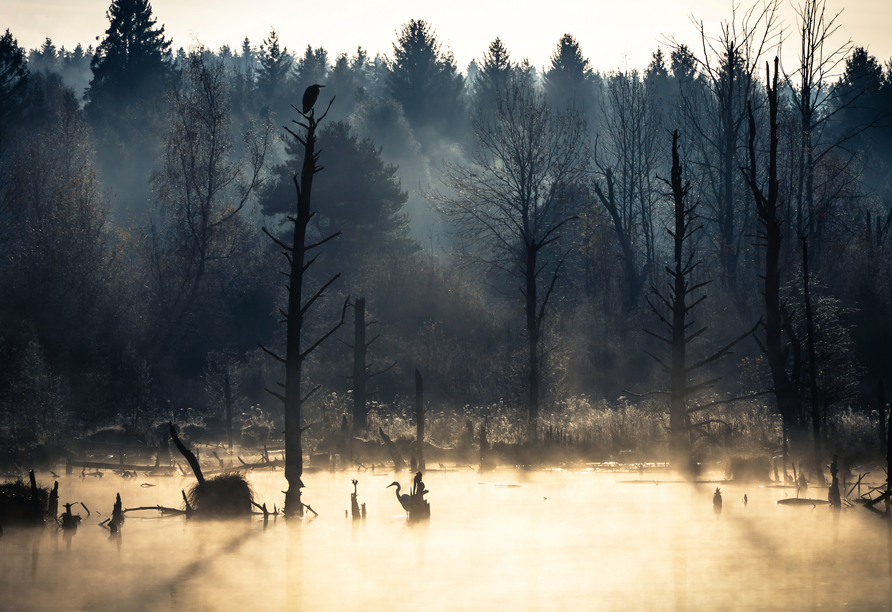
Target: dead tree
[[680, 301], [777, 319], [228, 399], [361, 374], [511, 203], [812, 366], [419, 419], [298, 263]]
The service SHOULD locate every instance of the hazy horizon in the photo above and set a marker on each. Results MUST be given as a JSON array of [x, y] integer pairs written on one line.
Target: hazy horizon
[[608, 37]]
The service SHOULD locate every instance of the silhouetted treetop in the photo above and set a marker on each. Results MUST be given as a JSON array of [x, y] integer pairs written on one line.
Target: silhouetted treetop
[[494, 74], [133, 57], [423, 78], [569, 78], [275, 66], [13, 77]]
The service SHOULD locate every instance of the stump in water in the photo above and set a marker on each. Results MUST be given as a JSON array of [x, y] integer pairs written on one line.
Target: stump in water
[[833, 494], [419, 508], [223, 495], [354, 502], [117, 515], [69, 520]]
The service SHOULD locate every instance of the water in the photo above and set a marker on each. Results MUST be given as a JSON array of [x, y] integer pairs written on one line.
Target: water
[[558, 540]]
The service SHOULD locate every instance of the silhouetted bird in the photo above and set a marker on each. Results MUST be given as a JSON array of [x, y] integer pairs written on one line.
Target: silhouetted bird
[[403, 499], [310, 97]]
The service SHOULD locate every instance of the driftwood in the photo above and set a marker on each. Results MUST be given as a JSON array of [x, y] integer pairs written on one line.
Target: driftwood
[[398, 464]]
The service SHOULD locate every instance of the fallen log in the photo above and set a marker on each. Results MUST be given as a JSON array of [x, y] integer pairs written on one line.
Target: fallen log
[[122, 466], [161, 509], [801, 501], [260, 464]]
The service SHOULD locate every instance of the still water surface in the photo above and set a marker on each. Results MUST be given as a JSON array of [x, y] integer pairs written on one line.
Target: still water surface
[[511, 540]]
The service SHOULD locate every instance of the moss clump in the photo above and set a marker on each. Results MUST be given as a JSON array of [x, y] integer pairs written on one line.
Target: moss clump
[[223, 495]]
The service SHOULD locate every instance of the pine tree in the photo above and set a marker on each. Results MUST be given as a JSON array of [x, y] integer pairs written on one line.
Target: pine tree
[[132, 60], [13, 79], [275, 66], [424, 79], [570, 78], [494, 75]]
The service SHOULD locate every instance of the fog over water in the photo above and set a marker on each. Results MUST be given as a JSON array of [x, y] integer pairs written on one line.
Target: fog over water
[[632, 260], [509, 540]]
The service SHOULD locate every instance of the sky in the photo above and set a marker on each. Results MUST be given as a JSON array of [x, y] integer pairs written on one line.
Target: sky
[[612, 34]]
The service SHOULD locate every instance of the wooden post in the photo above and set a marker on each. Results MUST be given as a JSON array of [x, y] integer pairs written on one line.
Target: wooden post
[[419, 419]]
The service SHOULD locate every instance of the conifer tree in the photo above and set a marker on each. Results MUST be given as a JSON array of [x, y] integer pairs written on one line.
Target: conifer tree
[[132, 59]]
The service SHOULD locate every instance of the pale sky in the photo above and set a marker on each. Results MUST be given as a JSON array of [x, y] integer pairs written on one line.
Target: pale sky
[[612, 34]]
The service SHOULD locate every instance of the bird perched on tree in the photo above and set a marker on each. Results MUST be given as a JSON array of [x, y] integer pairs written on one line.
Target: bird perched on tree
[[310, 97], [404, 499]]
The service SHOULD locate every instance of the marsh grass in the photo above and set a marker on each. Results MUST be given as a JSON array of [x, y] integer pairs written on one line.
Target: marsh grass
[[624, 430]]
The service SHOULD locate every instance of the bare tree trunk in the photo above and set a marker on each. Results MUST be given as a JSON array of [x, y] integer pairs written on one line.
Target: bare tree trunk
[[533, 341], [228, 398], [360, 348], [767, 206], [296, 254], [419, 419], [881, 410], [812, 367], [678, 426]]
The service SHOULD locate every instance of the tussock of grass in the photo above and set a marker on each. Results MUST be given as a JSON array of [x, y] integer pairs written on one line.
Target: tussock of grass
[[223, 495]]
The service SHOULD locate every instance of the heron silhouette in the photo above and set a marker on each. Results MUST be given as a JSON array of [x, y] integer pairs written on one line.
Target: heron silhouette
[[405, 500], [310, 96]]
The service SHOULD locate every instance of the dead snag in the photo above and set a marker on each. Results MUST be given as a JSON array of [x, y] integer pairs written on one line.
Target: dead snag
[[398, 464], [833, 494], [419, 419], [419, 508], [354, 502], [299, 257], [189, 455]]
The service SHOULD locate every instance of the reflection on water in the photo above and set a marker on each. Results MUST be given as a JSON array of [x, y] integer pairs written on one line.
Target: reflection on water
[[559, 541]]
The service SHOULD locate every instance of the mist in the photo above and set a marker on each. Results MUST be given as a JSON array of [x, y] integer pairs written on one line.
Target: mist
[[574, 282]]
